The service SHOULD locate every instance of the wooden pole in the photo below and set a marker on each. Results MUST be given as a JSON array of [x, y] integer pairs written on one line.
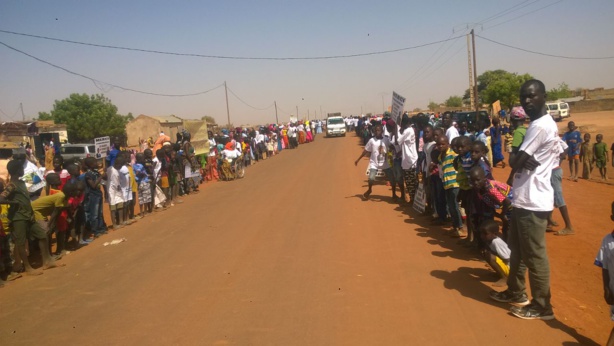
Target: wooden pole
[[227, 108], [475, 78]]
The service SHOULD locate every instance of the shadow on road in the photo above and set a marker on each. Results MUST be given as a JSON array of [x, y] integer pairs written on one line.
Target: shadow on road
[[470, 282]]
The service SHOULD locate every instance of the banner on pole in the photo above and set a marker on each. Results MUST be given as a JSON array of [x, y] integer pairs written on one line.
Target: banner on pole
[[398, 102], [103, 145]]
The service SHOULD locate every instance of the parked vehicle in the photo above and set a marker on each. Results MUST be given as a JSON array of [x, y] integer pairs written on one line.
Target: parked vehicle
[[335, 126], [78, 151], [468, 117], [558, 110]]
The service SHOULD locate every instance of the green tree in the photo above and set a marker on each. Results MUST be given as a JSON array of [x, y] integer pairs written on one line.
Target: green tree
[[208, 119], [129, 117], [88, 116], [44, 116], [454, 101], [417, 109], [562, 91], [432, 106], [501, 85]]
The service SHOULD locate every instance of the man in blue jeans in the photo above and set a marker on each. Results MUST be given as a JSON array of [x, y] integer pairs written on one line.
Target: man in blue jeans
[[377, 148]]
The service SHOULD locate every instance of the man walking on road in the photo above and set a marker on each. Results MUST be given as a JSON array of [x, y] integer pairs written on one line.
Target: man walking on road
[[533, 202]]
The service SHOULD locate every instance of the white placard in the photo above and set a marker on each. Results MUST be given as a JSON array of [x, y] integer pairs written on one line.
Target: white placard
[[103, 145], [398, 102], [420, 199]]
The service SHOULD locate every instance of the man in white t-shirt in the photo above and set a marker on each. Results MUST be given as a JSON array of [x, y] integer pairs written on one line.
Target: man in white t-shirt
[[377, 148], [533, 202], [451, 130]]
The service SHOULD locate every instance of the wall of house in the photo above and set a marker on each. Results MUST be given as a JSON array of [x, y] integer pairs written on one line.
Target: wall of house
[[141, 128]]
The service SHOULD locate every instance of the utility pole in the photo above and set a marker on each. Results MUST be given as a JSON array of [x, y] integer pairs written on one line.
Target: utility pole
[[475, 77], [23, 116], [361, 113], [307, 113], [227, 108], [320, 112], [297, 113], [471, 91], [276, 118]]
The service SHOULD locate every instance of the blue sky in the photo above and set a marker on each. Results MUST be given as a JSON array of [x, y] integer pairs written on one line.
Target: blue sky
[[290, 29]]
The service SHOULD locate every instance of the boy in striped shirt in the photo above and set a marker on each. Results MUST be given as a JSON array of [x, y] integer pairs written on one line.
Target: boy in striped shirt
[[446, 162]]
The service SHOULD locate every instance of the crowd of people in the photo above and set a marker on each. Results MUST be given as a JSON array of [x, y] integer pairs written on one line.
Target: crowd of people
[[62, 203], [448, 168]]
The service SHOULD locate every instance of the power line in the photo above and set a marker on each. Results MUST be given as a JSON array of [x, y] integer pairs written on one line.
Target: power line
[[524, 14], [546, 54], [226, 56], [247, 104], [430, 62], [508, 11], [98, 82]]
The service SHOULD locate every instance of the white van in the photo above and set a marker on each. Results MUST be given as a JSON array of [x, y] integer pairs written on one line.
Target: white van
[[558, 110], [335, 126]]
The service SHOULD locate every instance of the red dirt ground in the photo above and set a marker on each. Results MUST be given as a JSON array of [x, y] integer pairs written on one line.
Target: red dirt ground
[[291, 255]]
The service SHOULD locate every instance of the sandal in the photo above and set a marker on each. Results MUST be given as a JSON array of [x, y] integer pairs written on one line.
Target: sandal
[[457, 234], [565, 231]]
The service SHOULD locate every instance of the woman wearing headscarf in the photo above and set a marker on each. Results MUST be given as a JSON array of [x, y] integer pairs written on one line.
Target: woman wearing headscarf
[[308, 134]]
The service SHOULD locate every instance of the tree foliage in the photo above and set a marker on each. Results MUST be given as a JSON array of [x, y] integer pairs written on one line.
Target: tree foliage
[[560, 92], [432, 106], [208, 119], [44, 116], [88, 117], [454, 101], [501, 85]]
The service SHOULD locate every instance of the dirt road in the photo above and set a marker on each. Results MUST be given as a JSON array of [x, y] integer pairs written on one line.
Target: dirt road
[[291, 255]]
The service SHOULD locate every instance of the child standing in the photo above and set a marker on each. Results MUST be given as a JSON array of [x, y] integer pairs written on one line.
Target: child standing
[[93, 202], [497, 253], [600, 156], [605, 260], [586, 156], [573, 138], [116, 195], [124, 183], [450, 186], [142, 181]]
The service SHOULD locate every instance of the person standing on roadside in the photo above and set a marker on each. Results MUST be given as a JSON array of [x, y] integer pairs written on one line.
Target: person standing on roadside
[[573, 138], [377, 149], [451, 130], [533, 202]]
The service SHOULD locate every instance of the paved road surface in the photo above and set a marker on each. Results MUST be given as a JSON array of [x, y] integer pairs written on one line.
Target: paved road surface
[[290, 255]]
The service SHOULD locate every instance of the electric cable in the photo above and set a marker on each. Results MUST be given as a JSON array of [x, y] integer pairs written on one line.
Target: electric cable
[[247, 104], [226, 56], [98, 82], [546, 54]]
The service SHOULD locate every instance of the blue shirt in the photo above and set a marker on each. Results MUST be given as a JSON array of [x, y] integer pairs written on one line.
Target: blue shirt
[[574, 142]]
